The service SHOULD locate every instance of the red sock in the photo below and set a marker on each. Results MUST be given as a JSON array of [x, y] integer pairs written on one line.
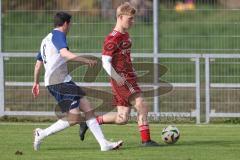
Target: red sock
[[99, 119], [145, 133]]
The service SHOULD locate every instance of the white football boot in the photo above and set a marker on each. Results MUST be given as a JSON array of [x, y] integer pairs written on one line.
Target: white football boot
[[37, 139], [111, 145]]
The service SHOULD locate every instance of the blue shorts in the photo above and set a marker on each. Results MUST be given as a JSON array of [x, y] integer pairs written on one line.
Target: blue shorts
[[67, 94]]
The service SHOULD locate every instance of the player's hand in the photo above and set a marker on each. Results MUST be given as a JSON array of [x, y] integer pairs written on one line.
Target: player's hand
[[91, 63], [35, 89], [120, 80]]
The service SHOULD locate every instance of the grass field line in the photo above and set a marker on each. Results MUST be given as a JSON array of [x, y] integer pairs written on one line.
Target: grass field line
[[184, 125]]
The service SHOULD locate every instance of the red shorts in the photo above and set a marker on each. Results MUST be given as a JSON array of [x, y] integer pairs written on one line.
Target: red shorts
[[121, 94]]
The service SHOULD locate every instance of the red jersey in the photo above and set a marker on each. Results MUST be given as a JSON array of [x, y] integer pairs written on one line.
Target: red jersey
[[118, 46]]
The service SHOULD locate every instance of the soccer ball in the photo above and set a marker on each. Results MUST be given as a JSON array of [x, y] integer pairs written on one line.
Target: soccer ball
[[170, 134]]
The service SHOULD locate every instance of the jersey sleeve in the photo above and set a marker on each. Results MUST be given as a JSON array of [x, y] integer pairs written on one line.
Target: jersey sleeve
[[110, 46], [59, 40], [39, 57]]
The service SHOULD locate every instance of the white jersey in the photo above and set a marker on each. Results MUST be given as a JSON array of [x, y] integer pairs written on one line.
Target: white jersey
[[55, 65]]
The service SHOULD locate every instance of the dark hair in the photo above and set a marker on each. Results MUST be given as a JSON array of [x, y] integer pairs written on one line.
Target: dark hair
[[60, 18]]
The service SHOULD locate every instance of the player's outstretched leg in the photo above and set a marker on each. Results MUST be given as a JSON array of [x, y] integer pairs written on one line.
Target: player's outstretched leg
[[40, 134], [121, 117], [94, 127], [97, 132], [83, 127], [72, 117], [143, 126]]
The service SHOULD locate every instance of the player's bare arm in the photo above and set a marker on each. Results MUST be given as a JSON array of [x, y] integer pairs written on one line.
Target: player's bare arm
[[73, 57], [37, 71]]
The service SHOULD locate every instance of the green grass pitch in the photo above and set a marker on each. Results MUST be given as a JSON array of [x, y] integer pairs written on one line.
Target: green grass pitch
[[197, 142]]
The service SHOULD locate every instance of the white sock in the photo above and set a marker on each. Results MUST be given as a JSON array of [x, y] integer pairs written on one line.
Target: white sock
[[55, 127], [96, 130]]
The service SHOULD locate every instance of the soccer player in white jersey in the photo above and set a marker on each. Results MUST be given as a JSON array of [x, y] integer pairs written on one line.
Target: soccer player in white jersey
[[53, 55]]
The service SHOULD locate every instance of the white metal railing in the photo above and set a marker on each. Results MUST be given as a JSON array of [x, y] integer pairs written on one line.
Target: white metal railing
[[195, 113], [1, 69], [208, 85]]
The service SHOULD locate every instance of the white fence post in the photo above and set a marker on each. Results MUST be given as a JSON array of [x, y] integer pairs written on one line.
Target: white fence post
[[197, 76], [207, 88], [1, 68], [1, 85], [155, 58]]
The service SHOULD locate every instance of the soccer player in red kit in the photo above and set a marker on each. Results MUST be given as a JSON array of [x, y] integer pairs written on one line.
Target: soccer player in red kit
[[116, 60]]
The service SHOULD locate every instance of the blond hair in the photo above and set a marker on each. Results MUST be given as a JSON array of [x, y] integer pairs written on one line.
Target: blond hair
[[125, 9]]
